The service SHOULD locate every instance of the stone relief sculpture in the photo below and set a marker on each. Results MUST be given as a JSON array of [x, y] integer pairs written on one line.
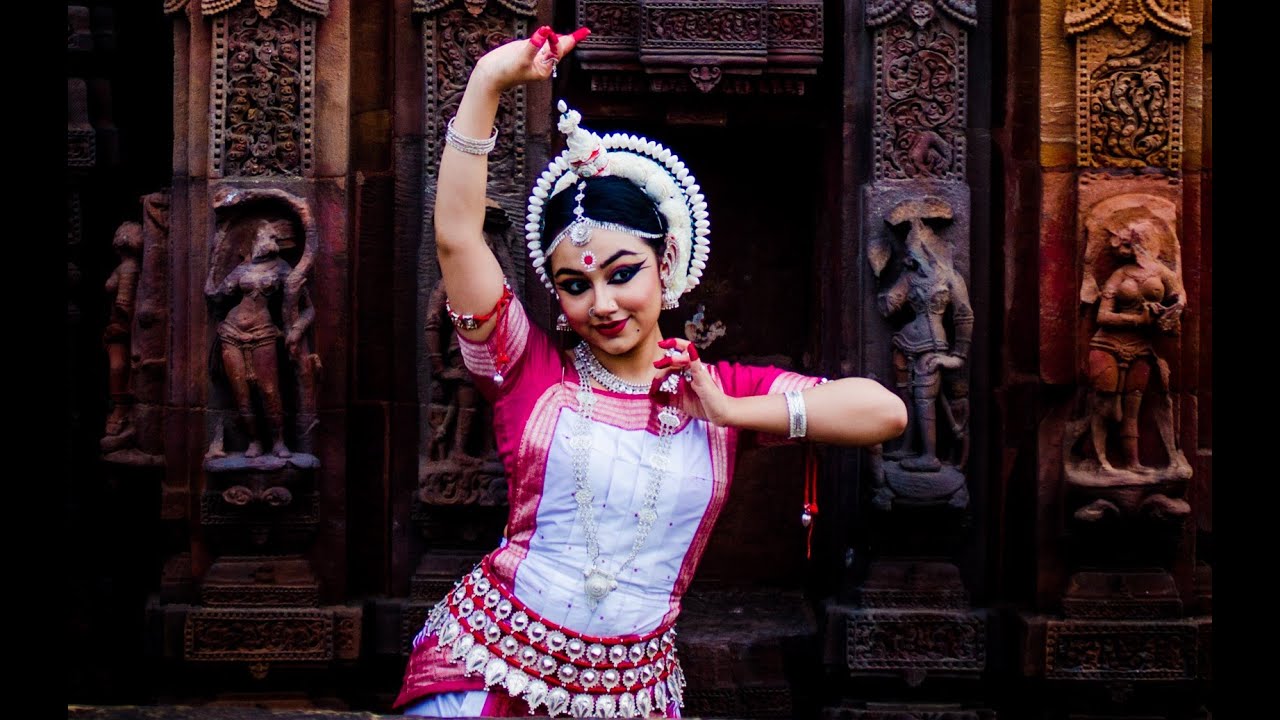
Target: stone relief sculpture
[[927, 301], [460, 466], [451, 432], [1129, 71], [261, 307], [1133, 294], [135, 338], [122, 289]]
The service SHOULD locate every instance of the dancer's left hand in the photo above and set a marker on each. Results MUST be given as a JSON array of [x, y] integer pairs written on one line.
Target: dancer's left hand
[[697, 394]]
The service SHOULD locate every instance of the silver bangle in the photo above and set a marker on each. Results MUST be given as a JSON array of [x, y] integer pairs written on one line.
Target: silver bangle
[[469, 145], [796, 419]]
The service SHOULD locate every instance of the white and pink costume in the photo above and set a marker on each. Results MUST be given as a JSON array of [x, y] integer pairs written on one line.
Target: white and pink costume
[[518, 632]]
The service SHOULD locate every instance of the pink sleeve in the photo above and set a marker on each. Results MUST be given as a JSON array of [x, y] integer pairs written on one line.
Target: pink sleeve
[[747, 380], [514, 336]]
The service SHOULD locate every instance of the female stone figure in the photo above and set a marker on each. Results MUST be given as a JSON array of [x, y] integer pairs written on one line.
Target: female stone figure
[[271, 303], [1141, 299]]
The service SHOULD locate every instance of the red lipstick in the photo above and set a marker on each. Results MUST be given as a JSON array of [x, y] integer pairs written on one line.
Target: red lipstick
[[612, 329]]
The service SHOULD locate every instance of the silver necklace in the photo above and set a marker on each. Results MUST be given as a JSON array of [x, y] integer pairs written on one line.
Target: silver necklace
[[583, 357], [599, 582]]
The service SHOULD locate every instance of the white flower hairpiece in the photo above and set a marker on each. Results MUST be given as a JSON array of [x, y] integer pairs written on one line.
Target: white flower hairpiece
[[654, 169]]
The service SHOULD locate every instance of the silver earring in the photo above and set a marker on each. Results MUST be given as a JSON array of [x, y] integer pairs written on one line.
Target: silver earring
[[562, 323], [669, 300]]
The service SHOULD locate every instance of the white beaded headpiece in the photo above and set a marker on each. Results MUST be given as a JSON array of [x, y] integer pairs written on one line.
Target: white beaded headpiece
[[654, 169]]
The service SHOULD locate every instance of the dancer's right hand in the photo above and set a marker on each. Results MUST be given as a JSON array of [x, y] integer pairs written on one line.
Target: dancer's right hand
[[526, 60]]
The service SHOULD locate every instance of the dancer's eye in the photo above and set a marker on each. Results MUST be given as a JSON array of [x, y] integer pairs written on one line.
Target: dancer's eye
[[575, 286], [625, 273]]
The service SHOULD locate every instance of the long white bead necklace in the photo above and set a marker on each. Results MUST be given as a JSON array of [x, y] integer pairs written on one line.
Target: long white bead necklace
[[599, 582]]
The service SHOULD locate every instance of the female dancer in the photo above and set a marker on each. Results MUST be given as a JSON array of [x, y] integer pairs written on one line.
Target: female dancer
[[618, 453]]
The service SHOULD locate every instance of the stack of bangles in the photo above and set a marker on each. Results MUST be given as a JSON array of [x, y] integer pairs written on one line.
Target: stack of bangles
[[469, 145]]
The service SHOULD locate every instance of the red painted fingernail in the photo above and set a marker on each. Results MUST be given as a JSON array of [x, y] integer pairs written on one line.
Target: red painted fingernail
[[693, 351], [539, 37], [662, 362], [666, 344], [581, 34]]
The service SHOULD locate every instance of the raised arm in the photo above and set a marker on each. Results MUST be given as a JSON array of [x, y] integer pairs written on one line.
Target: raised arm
[[472, 277]]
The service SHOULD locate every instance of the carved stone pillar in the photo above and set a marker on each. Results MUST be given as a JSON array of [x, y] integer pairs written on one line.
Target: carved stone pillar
[[1120, 264], [257, 340], [460, 503], [910, 615]]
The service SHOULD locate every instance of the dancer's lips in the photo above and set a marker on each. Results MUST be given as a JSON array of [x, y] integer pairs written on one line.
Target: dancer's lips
[[612, 329]]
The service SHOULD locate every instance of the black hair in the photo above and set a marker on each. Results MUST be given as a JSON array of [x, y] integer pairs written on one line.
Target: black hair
[[606, 198]]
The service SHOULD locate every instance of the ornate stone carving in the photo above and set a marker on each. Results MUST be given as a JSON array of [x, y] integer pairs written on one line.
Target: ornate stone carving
[[264, 8], [526, 8], [302, 512], [1132, 288], [613, 23], [922, 288], [460, 464], [705, 77], [916, 640], [690, 45], [257, 511], [921, 86], [1171, 16], [454, 38], [880, 12], [714, 25], [258, 272], [795, 28], [263, 92], [1129, 81], [136, 338], [259, 635], [1120, 650]]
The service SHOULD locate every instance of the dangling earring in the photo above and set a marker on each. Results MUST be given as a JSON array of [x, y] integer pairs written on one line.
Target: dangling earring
[[670, 300], [562, 323]]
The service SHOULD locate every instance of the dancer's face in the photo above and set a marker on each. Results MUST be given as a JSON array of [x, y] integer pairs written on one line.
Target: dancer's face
[[610, 289]]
